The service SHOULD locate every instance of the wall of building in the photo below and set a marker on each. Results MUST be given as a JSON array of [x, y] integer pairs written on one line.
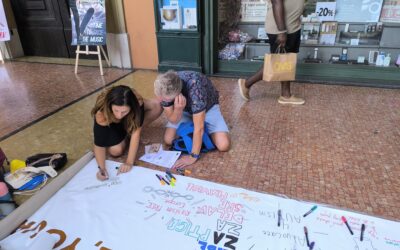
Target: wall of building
[[140, 25]]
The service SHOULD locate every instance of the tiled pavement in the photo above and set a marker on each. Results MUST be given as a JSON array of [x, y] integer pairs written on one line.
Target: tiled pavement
[[341, 148], [29, 91]]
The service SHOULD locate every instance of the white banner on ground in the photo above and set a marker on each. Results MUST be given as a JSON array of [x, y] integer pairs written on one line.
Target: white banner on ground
[[4, 32], [134, 211]]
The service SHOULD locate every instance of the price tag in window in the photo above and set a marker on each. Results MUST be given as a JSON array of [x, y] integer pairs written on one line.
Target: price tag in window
[[325, 11]]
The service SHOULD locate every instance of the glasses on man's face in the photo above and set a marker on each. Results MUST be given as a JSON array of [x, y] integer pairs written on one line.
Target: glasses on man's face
[[167, 103]]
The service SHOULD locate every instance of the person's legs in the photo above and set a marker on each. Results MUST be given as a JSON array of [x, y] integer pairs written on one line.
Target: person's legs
[[221, 141], [254, 78], [169, 135], [285, 89], [152, 110], [218, 129], [117, 150], [292, 46], [245, 84], [170, 132]]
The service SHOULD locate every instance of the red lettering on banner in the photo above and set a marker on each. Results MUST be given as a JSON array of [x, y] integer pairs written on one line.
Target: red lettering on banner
[[228, 211]]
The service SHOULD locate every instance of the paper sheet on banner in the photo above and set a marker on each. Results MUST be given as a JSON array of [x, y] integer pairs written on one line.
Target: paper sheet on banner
[[160, 157], [133, 211]]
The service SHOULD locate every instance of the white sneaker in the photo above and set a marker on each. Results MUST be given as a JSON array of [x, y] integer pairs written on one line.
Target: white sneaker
[[244, 91], [291, 100]]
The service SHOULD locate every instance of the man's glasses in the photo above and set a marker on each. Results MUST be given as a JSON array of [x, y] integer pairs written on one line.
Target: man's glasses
[[167, 104]]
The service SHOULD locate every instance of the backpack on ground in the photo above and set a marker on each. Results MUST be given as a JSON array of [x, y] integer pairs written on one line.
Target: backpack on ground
[[184, 142]]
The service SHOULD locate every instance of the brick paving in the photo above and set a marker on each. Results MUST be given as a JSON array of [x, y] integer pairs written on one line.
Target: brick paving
[[341, 148]]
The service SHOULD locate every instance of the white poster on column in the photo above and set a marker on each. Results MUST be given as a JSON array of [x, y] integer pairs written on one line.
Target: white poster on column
[[135, 211], [4, 32]]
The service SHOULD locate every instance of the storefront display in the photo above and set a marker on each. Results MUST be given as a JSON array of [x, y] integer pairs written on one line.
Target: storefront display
[[178, 31], [335, 37], [328, 33], [310, 33]]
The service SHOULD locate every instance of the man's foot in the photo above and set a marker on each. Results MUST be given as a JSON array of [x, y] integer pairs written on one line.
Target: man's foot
[[291, 100], [244, 91]]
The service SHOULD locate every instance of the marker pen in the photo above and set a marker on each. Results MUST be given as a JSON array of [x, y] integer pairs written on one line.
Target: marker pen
[[279, 217], [171, 180], [362, 232], [171, 176], [306, 233], [311, 210], [347, 224], [165, 180], [180, 171], [161, 179]]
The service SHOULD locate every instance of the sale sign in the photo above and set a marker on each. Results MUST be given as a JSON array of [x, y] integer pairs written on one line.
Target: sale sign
[[325, 11]]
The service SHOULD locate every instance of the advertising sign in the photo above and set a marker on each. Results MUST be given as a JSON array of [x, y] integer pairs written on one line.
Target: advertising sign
[[325, 11], [88, 19]]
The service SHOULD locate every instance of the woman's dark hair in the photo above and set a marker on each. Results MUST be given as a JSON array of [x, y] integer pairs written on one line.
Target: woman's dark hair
[[121, 96]]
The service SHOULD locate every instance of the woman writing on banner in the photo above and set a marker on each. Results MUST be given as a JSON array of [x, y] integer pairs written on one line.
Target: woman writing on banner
[[119, 115]]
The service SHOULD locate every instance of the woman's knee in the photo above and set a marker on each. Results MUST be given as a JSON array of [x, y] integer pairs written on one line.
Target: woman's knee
[[116, 151]]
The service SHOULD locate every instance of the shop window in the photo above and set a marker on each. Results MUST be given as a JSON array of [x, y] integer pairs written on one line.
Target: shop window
[[329, 29]]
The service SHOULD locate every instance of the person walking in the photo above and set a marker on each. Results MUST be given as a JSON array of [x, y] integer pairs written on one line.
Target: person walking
[[283, 27]]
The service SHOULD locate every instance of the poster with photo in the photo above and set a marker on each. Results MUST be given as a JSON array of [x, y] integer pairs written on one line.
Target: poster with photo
[[358, 11], [4, 32], [171, 17], [88, 20], [253, 10], [391, 11], [190, 18]]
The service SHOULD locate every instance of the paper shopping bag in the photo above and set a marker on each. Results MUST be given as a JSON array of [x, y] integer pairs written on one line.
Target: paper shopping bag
[[280, 67]]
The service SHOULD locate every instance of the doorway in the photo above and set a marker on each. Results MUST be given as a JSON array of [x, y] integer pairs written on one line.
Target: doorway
[[44, 27]]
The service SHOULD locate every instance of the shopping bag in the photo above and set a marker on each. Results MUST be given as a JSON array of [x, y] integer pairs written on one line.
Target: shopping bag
[[280, 67]]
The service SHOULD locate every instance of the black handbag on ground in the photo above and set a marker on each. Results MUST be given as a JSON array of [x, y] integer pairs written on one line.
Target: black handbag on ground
[[3, 159], [55, 160]]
